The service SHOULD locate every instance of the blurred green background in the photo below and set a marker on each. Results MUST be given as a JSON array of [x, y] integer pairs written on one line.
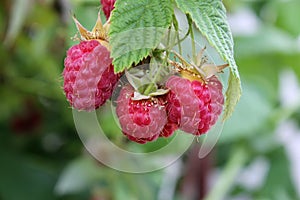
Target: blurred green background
[[42, 157]]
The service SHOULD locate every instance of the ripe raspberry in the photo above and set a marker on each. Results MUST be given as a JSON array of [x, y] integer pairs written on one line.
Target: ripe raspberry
[[107, 7], [192, 105], [89, 77], [171, 126], [141, 120], [168, 129]]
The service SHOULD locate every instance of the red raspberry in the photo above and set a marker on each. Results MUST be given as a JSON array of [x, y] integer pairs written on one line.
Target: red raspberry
[[168, 129], [141, 120], [89, 77], [171, 125], [107, 7], [192, 105]]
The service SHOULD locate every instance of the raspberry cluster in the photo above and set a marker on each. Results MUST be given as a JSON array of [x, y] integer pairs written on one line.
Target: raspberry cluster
[[192, 106]]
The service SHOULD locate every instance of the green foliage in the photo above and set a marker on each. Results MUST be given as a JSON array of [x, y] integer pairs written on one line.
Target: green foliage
[[78, 176], [21, 9], [287, 15], [276, 186], [210, 18], [19, 175], [37, 161], [249, 115], [136, 29]]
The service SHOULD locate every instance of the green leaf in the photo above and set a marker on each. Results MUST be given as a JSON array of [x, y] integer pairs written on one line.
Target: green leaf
[[137, 28], [210, 18]]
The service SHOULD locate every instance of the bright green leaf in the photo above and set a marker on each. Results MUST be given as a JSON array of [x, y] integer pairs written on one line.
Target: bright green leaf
[[137, 28], [210, 18]]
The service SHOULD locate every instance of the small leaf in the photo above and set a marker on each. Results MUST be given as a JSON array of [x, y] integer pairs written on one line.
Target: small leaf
[[210, 18], [137, 28]]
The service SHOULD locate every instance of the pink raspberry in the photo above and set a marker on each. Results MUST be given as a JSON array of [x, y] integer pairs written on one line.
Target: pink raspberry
[[89, 77], [192, 105], [107, 7], [141, 120]]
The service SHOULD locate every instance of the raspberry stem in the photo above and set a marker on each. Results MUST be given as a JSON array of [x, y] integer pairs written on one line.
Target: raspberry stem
[[192, 36], [150, 87], [176, 26]]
